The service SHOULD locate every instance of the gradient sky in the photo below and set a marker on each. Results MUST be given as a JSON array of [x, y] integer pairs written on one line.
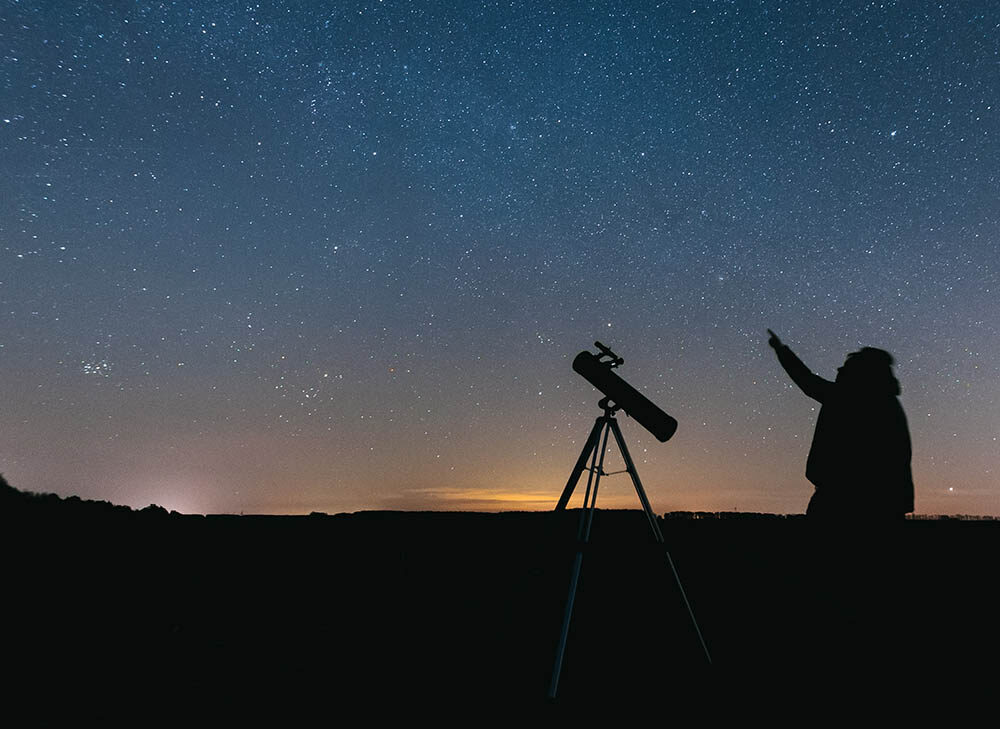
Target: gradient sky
[[294, 256]]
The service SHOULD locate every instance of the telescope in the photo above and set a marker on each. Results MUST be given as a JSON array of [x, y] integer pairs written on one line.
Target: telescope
[[596, 369], [618, 395]]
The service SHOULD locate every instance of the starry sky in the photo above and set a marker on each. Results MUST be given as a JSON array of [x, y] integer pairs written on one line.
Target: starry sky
[[293, 256]]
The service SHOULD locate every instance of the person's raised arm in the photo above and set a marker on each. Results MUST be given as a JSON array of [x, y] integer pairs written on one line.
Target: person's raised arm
[[812, 385]]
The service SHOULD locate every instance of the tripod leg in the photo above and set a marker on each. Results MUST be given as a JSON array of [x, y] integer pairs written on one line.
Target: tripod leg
[[581, 463], [583, 536], [694, 622], [630, 465], [564, 635], [593, 478]]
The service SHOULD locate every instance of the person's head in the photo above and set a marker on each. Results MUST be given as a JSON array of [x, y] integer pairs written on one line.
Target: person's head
[[870, 369]]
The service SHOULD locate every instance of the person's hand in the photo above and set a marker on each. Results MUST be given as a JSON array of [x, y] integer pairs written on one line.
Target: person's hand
[[774, 341]]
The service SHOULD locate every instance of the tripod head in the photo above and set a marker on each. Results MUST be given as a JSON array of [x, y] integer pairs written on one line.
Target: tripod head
[[608, 407]]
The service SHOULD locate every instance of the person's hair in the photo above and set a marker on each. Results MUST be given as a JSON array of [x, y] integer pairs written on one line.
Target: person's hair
[[873, 368]]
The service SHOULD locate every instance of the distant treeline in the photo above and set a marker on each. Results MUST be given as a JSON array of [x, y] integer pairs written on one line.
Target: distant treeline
[[744, 515], [13, 500]]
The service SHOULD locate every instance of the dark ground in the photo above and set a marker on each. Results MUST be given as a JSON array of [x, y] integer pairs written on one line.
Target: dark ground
[[112, 612]]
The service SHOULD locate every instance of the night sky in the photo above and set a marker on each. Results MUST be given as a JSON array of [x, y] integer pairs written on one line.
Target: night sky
[[295, 256]]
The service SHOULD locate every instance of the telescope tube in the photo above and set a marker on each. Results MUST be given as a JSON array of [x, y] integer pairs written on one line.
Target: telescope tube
[[626, 397]]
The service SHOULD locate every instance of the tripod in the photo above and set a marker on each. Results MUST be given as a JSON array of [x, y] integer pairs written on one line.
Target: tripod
[[604, 425]]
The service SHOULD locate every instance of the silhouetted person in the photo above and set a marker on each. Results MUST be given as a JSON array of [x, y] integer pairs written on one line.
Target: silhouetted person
[[859, 461]]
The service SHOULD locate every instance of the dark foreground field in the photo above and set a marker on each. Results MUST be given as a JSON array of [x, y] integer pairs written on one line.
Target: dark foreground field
[[110, 613]]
